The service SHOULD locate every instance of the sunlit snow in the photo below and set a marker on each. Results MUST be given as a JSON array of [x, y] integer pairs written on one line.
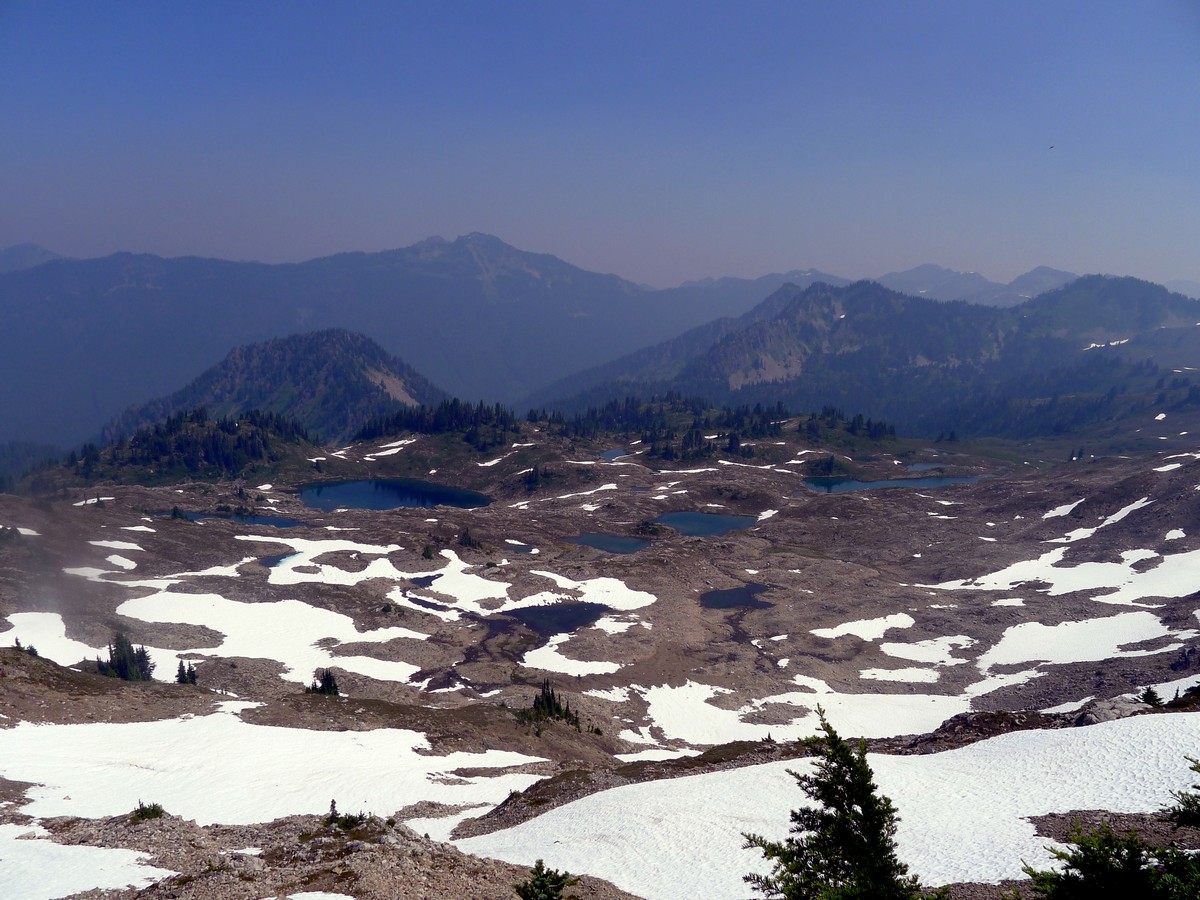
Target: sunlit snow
[[678, 839], [34, 868], [284, 630], [549, 658], [263, 772], [1091, 639], [867, 629]]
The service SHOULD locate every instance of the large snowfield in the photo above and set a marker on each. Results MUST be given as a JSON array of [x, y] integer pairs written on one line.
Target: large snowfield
[[216, 769], [963, 812]]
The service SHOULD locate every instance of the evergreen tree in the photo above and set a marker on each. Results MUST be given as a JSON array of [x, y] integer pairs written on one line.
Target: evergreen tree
[[844, 848], [185, 675], [1102, 865], [327, 685], [545, 884], [125, 661], [548, 706], [1186, 809]]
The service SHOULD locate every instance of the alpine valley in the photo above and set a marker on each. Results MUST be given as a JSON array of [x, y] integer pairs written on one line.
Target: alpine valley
[[420, 567]]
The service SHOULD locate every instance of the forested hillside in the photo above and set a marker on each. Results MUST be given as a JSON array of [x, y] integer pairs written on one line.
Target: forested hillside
[[331, 382], [1093, 352]]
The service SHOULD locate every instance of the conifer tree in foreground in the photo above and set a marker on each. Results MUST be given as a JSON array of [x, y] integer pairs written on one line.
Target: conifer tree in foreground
[[1103, 865], [1185, 811], [843, 848]]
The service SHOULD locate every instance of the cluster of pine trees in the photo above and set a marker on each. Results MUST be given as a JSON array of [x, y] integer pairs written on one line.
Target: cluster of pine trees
[[325, 684], [193, 443], [670, 426], [125, 661], [832, 418], [483, 426], [186, 445], [548, 706]]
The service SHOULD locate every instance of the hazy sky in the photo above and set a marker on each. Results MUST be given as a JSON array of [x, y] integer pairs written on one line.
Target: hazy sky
[[662, 141]]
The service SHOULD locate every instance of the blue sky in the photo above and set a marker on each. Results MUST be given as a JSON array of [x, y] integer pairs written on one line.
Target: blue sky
[[661, 141]]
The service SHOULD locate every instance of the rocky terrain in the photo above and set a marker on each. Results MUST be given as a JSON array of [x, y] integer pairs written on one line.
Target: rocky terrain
[[1034, 594]]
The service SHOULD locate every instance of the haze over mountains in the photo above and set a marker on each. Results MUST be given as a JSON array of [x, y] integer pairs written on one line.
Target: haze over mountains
[[25, 256], [939, 283], [86, 339]]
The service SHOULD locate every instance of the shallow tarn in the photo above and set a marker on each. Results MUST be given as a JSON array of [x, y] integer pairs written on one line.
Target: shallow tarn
[[388, 493]]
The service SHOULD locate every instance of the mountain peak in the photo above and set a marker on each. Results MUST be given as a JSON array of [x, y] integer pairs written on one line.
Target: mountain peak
[[483, 239], [937, 282], [331, 381]]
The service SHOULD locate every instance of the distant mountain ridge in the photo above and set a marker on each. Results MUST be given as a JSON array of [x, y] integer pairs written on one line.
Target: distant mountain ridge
[[938, 283], [85, 339], [330, 382], [647, 369], [25, 256], [1185, 287], [929, 365]]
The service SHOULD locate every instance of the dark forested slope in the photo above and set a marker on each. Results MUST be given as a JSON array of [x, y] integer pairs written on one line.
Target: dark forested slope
[[331, 382]]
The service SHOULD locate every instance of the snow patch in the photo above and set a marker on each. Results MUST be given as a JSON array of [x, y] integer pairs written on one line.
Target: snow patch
[[867, 629]]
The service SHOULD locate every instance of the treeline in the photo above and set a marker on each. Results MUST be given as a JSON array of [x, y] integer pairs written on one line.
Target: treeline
[[670, 426], [483, 426], [188, 444], [831, 418], [17, 458], [1103, 388]]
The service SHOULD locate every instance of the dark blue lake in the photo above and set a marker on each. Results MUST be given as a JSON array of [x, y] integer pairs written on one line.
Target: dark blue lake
[[614, 455], [700, 524], [428, 604], [609, 543], [744, 597], [559, 618], [840, 485], [388, 493]]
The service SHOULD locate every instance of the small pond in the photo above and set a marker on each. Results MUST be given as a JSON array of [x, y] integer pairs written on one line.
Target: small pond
[[614, 455], [559, 618], [744, 597], [841, 485], [388, 493], [700, 524], [427, 604], [273, 521], [609, 543], [924, 467]]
